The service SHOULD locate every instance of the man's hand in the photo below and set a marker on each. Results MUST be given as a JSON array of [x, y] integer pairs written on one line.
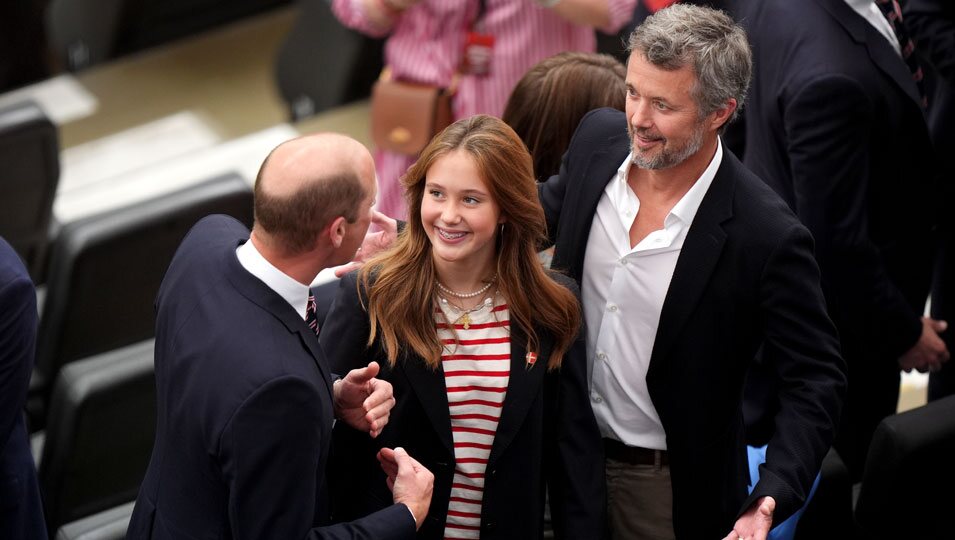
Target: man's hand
[[756, 522], [929, 352], [409, 481], [373, 243], [362, 401]]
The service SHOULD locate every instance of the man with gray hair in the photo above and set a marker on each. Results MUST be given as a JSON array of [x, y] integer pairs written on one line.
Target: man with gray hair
[[689, 267]]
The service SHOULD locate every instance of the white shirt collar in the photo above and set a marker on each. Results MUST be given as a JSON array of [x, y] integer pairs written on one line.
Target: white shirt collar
[[288, 288], [871, 13], [685, 209]]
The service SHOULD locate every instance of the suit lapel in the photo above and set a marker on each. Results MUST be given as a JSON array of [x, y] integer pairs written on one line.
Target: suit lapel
[[580, 202], [259, 293], [432, 392], [880, 50], [698, 257], [523, 388]]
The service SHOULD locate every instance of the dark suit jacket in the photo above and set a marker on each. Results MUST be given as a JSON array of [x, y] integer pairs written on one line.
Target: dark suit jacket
[[244, 408], [932, 25], [745, 278], [834, 125], [547, 434], [21, 511]]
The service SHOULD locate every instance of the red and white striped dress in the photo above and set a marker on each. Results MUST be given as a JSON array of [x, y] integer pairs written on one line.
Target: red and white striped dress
[[476, 373]]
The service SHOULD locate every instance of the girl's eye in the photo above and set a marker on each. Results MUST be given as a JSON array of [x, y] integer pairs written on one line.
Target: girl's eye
[[471, 200]]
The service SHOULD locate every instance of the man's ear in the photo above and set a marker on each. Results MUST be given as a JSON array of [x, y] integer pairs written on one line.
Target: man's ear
[[336, 231], [722, 115]]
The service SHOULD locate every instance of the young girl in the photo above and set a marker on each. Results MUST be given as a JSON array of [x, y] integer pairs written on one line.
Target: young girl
[[483, 348]]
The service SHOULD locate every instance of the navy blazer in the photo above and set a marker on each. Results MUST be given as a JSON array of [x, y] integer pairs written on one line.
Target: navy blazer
[[546, 435], [21, 510], [745, 279], [932, 24], [244, 409], [834, 125]]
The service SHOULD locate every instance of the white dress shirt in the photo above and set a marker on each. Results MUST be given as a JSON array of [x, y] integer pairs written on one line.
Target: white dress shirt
[[623, 290], [295, 293], [871, 12]]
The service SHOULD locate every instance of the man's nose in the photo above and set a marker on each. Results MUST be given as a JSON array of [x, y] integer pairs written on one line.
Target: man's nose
[[641, 117]]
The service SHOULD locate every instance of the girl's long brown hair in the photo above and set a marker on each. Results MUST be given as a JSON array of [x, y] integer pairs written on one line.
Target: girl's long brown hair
[[400, 282]]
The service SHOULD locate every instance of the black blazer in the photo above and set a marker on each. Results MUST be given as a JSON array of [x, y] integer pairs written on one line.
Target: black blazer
[[834, 125], [244, 408], [21, 511], [932, 24], [745, 278], [547, 435]]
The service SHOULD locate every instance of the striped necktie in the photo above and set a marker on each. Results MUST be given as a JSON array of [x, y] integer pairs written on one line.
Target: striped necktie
[[893, 13], [311, 317]]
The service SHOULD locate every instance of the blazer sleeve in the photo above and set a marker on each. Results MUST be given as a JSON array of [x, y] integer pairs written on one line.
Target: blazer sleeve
[[551, 195], [826, 123], [345, 333], [18, 328], [270, 452], [803, 346], [576, 478]]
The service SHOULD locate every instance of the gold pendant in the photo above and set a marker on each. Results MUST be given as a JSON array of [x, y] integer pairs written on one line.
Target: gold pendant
[[465, 320]]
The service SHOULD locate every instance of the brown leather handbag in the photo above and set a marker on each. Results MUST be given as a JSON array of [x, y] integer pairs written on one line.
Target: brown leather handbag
[[405, 116]]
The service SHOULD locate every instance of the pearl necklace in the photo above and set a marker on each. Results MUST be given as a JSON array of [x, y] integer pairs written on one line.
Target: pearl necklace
[[480, 291]]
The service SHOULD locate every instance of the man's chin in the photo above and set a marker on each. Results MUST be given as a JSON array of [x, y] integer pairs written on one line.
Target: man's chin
[[650, 163]]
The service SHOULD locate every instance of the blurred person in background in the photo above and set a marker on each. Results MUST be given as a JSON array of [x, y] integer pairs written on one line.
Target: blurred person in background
[[932, 24], [426, 41], [845, 143], [551, 98]]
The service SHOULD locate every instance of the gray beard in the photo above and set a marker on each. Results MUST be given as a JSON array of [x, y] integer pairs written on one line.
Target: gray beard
[[669, 157]]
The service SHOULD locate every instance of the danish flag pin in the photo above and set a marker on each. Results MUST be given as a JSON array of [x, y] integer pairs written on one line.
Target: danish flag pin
[[531, 358]]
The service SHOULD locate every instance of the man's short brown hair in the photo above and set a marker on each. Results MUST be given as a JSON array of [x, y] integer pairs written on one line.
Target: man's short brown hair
[[293, 221]]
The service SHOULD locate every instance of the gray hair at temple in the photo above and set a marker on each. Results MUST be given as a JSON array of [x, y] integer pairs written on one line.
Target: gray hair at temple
[[706, 39]]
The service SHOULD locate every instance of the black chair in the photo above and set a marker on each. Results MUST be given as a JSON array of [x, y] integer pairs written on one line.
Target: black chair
[[100, 433], [84, 33], [107, 525], [147, 23], [323, 64], [105, 271], [29, 173], [909, 478]]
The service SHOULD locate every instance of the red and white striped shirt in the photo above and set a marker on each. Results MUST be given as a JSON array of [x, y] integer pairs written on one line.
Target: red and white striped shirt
[[476, 373]]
